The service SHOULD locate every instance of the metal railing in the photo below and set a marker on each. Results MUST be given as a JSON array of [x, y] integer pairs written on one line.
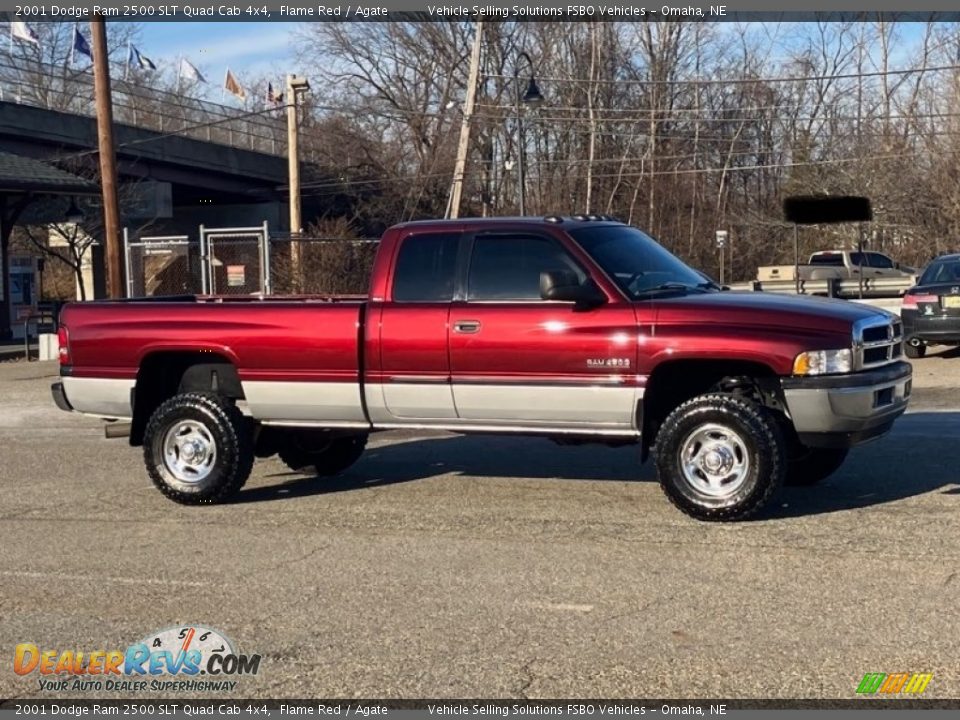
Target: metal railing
[[67, 90], [846, 288]]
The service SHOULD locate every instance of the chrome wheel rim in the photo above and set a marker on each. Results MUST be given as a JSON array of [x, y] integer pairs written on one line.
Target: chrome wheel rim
[[189, 451], [714, 460]]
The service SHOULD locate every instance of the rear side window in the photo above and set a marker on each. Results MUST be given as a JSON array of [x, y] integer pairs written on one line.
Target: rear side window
[[426, 267], [508, 268], [832, 260]]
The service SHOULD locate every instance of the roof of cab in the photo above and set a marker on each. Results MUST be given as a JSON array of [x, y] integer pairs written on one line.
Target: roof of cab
[[567, 222]]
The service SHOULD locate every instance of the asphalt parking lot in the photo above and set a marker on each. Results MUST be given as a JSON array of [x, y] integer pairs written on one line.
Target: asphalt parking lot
[[448, 566]]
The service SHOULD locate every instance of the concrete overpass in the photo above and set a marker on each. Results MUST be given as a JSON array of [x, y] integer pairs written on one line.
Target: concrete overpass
[[210, 182]]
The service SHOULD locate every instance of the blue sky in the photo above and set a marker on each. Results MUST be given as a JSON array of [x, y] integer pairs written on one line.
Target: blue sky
[[247, 48]]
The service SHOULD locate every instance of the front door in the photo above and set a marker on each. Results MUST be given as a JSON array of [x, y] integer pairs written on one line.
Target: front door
[[520, 361]]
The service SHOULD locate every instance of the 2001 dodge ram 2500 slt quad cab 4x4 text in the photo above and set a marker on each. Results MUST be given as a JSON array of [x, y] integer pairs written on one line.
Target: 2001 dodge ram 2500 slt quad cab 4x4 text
[[579, 329]]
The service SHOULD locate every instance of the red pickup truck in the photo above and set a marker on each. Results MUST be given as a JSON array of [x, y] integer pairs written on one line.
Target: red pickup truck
[[581, 329]]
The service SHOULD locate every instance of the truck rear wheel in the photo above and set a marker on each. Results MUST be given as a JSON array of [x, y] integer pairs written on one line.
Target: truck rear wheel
[[326, 455], [198, 448], [720, 457], [813, 465]]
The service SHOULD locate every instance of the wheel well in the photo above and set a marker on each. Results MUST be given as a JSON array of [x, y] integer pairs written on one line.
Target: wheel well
[[673, 383], [165, 374]]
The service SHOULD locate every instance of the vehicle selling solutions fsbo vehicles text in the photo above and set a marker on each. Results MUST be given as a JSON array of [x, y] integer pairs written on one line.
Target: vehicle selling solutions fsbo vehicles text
[[583, 11]]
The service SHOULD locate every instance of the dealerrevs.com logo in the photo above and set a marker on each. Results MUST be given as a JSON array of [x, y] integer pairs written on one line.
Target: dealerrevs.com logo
[[190, 658]]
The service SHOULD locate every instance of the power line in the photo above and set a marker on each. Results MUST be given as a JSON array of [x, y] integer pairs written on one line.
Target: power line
[[769, 166], [335, 185], [774, 119], [735, 81]]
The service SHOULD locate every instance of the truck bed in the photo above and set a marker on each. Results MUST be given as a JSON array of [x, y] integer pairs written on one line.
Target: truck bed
[[286, 349]]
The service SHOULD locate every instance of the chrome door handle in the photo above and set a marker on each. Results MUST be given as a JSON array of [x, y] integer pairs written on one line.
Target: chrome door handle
[[467, 327]]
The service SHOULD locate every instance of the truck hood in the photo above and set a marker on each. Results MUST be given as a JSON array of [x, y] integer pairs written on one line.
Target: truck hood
[[825, 315]]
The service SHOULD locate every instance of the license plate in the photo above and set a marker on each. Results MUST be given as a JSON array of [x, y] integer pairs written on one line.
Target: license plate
[[950, 301]]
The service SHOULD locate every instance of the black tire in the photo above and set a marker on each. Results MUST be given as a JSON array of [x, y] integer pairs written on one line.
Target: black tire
[[744, 433], [914, 351], [813, 465], [326, 456], [209, 421]]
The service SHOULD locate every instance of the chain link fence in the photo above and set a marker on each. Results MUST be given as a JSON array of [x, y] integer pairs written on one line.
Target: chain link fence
[[169, 265], [236, 261], [246, 261]]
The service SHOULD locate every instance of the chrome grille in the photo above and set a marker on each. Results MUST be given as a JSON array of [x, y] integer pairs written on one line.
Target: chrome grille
[[877, 341]]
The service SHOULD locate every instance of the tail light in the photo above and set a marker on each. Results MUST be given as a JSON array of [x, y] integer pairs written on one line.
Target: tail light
[[63, 337], [911, 301]]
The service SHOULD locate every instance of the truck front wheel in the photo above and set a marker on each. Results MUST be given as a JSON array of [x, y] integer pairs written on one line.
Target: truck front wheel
[[198, 448], [720, 457], [326, 455]]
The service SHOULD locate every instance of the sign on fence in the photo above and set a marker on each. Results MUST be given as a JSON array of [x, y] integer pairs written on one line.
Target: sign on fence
[[236, 276]]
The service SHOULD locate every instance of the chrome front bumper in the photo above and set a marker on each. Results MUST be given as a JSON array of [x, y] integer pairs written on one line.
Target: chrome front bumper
[[846, 410]]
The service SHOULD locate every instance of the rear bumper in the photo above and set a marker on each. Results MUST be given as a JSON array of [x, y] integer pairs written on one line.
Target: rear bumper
[[60, 397], [935, 328], [846, 410]]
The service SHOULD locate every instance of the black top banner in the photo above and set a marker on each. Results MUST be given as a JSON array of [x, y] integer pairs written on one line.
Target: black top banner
[[489, 10]]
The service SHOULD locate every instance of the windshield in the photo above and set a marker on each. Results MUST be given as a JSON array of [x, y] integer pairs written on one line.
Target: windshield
[[942, 271], [637, 263]]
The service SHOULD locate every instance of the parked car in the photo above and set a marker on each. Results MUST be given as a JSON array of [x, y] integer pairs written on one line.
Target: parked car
[[580, 329], [931, 308], [842, 264]]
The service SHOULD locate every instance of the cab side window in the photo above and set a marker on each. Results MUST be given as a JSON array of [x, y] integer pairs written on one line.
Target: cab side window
[[878, 260], [509, 267]]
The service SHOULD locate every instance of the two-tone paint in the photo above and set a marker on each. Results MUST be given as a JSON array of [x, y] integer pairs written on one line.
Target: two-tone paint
[[532, 366]]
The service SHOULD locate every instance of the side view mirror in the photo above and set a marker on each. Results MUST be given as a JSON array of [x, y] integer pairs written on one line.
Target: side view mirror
[[564, 285]]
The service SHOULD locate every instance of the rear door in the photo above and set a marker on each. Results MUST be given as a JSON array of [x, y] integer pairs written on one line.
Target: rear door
[[520, 361], [881, 265], [414, 358]]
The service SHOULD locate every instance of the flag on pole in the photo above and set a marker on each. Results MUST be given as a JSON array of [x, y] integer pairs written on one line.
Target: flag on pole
[[19, 30], [233, 86], [272, 97], [80, 45], [137, 59], [189, 71]]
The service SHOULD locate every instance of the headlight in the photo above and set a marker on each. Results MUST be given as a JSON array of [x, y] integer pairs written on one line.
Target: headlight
[[823, 362]]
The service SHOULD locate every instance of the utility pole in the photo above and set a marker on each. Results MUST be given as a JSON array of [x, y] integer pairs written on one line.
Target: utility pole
[[456, 191], [295, 86], [108, 158]]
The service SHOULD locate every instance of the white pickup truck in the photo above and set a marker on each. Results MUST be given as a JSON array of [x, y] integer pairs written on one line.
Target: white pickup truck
[[843, 264]]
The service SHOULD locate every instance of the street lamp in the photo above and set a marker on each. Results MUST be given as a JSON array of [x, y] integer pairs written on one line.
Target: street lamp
[[74, 214], [532, 96]]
